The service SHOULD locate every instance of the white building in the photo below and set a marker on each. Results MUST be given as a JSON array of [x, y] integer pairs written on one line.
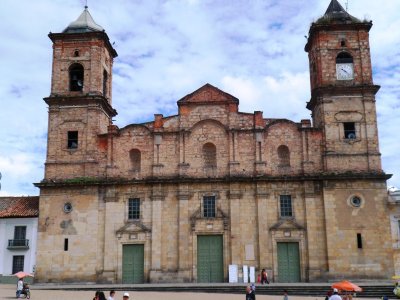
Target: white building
[[394, 207], [18, 235]]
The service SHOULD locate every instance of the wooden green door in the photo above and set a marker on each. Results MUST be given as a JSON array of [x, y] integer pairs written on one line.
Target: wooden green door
[[210, 265], [133, 263], [288, 262]]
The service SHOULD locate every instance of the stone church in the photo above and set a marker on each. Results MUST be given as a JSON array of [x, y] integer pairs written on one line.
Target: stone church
[[180, 198]]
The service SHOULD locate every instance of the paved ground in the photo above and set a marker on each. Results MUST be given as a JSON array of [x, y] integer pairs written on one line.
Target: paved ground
[[8, 292]]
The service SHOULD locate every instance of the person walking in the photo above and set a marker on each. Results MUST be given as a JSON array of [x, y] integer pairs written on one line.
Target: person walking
[[250, 295], [20, 287], [125, 296], [335, 295], [285, 295], [264, 277], [112, 294], [99, 295]]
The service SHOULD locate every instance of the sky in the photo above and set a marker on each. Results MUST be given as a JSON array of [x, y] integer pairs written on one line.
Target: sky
[[252, 49]]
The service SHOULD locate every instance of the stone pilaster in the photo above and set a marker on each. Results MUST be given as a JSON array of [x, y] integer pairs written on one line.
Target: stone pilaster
[[265, 257], [157, 198], [184, 266]]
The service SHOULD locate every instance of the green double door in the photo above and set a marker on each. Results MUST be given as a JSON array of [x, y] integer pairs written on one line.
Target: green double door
[[133, 263], [210, 265], [288, 262]]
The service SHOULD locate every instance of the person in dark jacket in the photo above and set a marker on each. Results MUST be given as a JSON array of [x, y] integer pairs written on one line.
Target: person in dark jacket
[[250, 295]]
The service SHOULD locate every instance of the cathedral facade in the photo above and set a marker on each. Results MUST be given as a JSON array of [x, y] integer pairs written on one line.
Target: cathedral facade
[[180, 198]]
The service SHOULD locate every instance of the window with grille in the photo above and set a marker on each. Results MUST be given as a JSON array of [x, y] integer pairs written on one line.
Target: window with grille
[[284, 156], [134, 209], [136, 158], [18, 263], [209, 207], [72, 142], [286, 206], [349, 130], [210, 155]]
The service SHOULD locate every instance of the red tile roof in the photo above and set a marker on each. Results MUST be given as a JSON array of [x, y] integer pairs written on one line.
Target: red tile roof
[[19, 207]]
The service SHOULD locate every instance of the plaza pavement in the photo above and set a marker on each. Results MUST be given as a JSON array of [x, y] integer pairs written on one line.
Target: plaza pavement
[[7, 291]]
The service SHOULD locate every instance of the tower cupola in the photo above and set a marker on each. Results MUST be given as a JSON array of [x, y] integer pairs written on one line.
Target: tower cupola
[[84, 23]]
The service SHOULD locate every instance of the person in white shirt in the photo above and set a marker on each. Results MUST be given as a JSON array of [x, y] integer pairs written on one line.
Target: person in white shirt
[[20, 287], [335, 295], [112, 294]]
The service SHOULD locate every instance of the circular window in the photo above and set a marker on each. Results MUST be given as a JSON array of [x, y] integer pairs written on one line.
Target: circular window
[[355, 201], [67, 207]]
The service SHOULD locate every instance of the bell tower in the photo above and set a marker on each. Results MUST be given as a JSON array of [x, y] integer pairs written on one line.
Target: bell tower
[[80, 99], [342, 91]]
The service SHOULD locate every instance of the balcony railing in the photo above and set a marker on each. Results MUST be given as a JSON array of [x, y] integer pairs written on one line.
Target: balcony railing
[[18, 244]]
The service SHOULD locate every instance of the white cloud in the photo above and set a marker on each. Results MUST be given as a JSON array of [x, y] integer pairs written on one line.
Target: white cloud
[[278, 97]]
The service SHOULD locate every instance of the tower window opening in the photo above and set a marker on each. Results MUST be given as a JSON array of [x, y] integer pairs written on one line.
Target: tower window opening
[[76, 53], [76, 78], [65, 244], [344, 58], [72, 140], [105, 79], [349, 130], [343, 43]]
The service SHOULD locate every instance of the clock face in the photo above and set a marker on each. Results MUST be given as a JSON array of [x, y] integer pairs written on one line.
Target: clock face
[[344, 71]]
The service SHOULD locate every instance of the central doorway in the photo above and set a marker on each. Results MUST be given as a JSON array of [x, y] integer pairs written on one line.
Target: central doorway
[[133, 263], [288, 262], [210, 264]]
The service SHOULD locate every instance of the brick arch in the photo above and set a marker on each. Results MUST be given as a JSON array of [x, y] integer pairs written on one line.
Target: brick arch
[[344, 55], [281, 121], [209, 121], [135, 126]]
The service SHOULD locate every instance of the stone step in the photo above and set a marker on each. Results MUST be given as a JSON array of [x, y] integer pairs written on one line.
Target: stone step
[[313, 290]]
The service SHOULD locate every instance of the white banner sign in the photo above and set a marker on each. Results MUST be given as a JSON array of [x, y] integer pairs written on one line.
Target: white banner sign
[[252, 274], [245, 274], [233, 273]]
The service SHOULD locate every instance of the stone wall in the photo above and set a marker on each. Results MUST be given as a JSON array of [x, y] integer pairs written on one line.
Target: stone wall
[[248, 216]]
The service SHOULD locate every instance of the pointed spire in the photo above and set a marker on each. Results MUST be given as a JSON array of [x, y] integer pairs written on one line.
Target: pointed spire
[[84, 23], [334, 6], [335, 13]]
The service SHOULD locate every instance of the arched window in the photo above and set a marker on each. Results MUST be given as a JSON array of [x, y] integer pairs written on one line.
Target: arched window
[[284, 156], [344, 58], [135, 157], [210, 155], [76, 77]]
